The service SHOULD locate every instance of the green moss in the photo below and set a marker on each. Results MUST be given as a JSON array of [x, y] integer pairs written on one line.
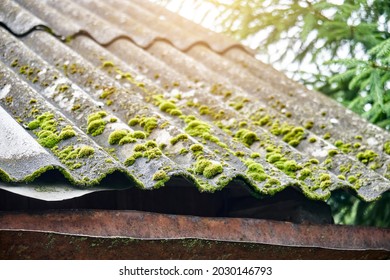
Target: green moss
[[196, 148], [357, 145], [107, 64], [341, 177], [139, 148], [62, 88], [148, 123], [204, 110], [127, 139], [175, 112], [113, 120], [197, 128], [272, 182], [207, 168], [152, 153], [255, 155], [183, 151], [332, 153], [352, 179], [134, 121], [265, 120], [86, 151], [239, 154], [180, 137], [246, 136], [166, 106], [291, 166], [96, 127], [160, 175], [386, 147], [256, 171], [294, 136], [139, 134], [338, 143], [326, 136], [107, 92], [48, 139], [33, 124], [312, 139], [304, 173], [67, 132], [366, 156], [273, 157], [309, 125], [359, 137], [324, 177], [116, 136], [76, 107]]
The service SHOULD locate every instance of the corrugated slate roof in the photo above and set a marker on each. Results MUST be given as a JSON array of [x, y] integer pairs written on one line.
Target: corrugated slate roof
[[94, 87]]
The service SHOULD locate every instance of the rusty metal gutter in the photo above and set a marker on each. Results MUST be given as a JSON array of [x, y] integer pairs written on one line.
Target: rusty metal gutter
[[133, 234]]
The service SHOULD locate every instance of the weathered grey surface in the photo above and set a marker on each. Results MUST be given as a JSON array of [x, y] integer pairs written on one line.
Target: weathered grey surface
[[239, 117]]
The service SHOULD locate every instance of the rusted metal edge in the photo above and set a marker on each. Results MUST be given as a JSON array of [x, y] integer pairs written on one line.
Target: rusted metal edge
[[151, 226]]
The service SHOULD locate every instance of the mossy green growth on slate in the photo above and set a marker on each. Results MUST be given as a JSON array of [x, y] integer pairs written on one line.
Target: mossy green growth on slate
[[179, 137], [386, 147], [70, 155], [366, 156], [96, 124], [161, 177], [48, 136], [246, 136], [255, 171], [207, 168], [149, 150], [148, 123]]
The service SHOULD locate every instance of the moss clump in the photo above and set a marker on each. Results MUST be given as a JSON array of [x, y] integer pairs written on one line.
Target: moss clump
[[96, 124], [341, 177], [116, 136], [309, 125], [357, 145], [113, 120], [312, 139], [48, 139], [183, 151], [127, 139], [352, 179], [304, 173], [256, 171], [359, 137], [107, 92], [366, 156], [140, 148], [294, 137], [48, 136], [386, 147], [246, 136], [196, 148], [161, 177], [180, 137], [166, 106], [131, 159], [239, 154], [197, 128], [326, 136], [67, 132], [139, 134], [207, 168], [86, 151], [96, 127], [255, 155], [152, 153], [338, 143], [271, 182], [291, 166], [107, 64], [134, 121], [148, 123], [273, 157], [332, 153]]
